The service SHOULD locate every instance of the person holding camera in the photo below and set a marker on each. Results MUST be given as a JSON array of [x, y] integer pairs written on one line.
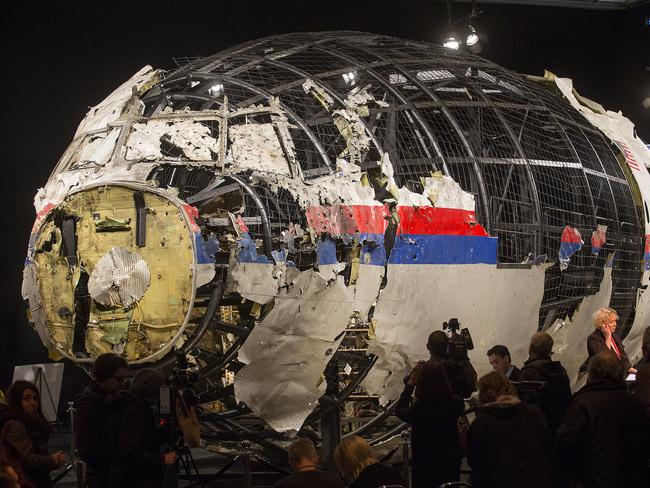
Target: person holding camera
[[434, 419], [136, 437], [109, 371], [460, 372]]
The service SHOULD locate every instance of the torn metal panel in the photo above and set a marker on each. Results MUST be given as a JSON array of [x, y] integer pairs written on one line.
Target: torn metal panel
[[95, 150], [120, 278], [284, 382], [113, 106], [30, 292], [570, 243], [188, 140], [256, 146], [58, 187], [305, 322], [419, 298], [598, 239], [634, 339], [570, 335]]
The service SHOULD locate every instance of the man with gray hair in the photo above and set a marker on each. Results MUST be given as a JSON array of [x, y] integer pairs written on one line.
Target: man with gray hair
[[604, 439], [555, 394], [303, 459]]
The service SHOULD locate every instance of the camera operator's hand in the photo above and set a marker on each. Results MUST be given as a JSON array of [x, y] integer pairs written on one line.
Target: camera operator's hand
[[169, 458], [59, 457], [415, 373]]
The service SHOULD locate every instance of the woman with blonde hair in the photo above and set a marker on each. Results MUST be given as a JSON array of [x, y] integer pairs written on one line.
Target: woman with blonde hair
[[604, 339], [359, 467]]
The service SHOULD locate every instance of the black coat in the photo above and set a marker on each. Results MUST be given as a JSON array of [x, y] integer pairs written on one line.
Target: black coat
[[642, 389], [514, 374], [596, 344], [555, 396], [507, 446], [434, 439], [135, 444], [377, 475], [92, 434], [603, 440]]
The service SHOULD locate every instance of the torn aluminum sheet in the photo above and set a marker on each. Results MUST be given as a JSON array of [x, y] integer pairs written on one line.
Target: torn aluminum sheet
[[570, 335], [61, 184], [634, 338], [256, 146], [308, 317], [95, 150], [443, 191], [570, 243], [254, 282], [284, 382], [195, 139], [348, 120], [112, 107], [405, 317], [32, 295], [598, 239], [358, 100], [120, 278]]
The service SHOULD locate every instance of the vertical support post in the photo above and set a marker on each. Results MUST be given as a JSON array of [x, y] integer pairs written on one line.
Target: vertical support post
[[405, 458], [246, 459], [330, 429], [79, 466]]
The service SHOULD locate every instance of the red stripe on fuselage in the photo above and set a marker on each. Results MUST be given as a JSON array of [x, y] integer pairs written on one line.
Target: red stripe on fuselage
[[437, 220], [370, 219]]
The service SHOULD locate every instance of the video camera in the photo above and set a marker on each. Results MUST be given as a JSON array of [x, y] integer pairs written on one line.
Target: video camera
[[178, 402], [459, 344]]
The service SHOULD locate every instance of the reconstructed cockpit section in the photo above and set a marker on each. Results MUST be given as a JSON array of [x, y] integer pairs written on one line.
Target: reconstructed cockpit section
[[299, 212]]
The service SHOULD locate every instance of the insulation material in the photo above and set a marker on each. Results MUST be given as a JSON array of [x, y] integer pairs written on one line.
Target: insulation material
[[570, 243], [570, 335], [112, 107], [256, 146], [598, 239], [287, 352], [120, 278], [499, 306], [95, 150], [193, 138], [634, 338]]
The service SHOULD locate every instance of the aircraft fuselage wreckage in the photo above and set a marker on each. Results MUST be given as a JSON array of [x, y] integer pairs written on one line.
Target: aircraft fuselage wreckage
[[299, 212]]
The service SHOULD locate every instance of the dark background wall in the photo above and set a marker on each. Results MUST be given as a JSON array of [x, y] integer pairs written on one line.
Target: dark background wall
[[59, 58]]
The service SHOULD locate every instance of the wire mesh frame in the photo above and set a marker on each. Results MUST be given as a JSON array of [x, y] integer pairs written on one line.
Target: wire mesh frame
[[532, 160]]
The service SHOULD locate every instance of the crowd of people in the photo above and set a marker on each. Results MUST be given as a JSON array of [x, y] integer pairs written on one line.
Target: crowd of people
[[527, 428]]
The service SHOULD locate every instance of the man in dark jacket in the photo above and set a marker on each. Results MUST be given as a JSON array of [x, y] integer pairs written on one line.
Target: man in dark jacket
[[603, 440], [303, 459], [110, 372], [507, 442], [555, 394], [462, 376], [499, 357], [136, 439]]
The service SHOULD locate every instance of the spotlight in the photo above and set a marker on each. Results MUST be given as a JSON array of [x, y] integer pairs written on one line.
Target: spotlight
[[473, 41], [216, 90], [451, 42], [350, 78]]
